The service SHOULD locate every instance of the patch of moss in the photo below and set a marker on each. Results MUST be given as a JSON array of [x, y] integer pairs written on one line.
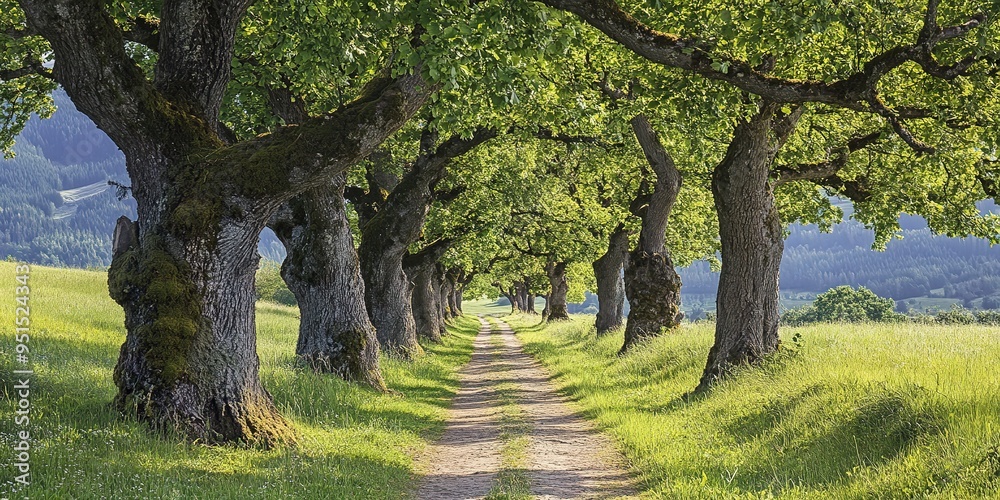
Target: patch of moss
[[150, 279]]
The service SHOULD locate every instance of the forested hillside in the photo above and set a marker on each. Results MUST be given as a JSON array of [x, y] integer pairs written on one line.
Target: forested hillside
[[918, 265], [56, 207]]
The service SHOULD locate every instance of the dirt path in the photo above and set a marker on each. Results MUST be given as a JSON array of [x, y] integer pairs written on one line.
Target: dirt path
[[564, 456]]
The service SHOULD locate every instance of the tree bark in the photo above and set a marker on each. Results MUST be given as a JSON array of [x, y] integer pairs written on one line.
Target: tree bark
[[189, 362], [611, 283], [651, 283], [556, 300], [747, 303], [322, 270]]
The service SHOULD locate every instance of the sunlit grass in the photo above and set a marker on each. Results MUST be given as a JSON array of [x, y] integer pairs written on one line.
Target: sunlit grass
[[855, 411], [353, 442]]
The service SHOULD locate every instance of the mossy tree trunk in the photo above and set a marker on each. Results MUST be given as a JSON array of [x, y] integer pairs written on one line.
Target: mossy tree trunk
[[651, 283], [189, 361], [752, 242], [555, 302], [322, 270], [610, 283]]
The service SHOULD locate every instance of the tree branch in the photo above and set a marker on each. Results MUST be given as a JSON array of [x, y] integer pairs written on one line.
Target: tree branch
[[298, 157], [826, 169], [104, 82], [428, 255], [856, 92], [145, 31], [29, 68]]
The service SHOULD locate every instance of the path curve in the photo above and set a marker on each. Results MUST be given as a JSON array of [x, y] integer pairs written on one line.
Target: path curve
[[567, 458]]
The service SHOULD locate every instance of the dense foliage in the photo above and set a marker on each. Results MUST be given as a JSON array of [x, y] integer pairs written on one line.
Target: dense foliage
[[844, 304]]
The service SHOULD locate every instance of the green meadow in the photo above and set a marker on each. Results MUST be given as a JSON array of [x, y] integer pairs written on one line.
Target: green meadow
[[843, 411], [352, 441]]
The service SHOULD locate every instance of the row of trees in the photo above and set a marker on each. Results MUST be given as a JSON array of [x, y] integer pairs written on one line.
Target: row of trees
[[507, 146]]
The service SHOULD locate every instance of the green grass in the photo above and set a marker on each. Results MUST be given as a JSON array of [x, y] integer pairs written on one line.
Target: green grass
[[854, 411], [491, 308], [353, 442], [485, 307]]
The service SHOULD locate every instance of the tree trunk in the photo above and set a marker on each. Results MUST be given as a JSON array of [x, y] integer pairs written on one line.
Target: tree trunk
[[454, 290], [458, 298], [654, 294], [610, 283], [445, 287], [425, 305], [423, 269], [322, 270], [556, 300], [189, 361], [651, 283], [529, 297], [750, 230], [387, 296], [520, 297]]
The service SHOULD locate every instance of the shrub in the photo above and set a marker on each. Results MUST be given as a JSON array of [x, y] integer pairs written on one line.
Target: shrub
[[270, 286], [844, 303], [957, 315], [799, 316], [991, 318]]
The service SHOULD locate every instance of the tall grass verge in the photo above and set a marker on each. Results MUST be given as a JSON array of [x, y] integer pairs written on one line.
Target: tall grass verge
[[353, 442], [845, 411]]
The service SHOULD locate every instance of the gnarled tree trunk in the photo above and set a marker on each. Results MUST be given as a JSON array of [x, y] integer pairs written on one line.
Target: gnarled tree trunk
[[610, 283], [747, 303], [555, 301], [189, 360], [321, 268], [651, 283]]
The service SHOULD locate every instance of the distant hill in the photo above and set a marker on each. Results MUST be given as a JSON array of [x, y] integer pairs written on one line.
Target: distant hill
[[55, 205], [919, 266]]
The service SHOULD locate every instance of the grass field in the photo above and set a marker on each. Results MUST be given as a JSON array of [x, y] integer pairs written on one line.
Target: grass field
[[853, 411], [353, 442]]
